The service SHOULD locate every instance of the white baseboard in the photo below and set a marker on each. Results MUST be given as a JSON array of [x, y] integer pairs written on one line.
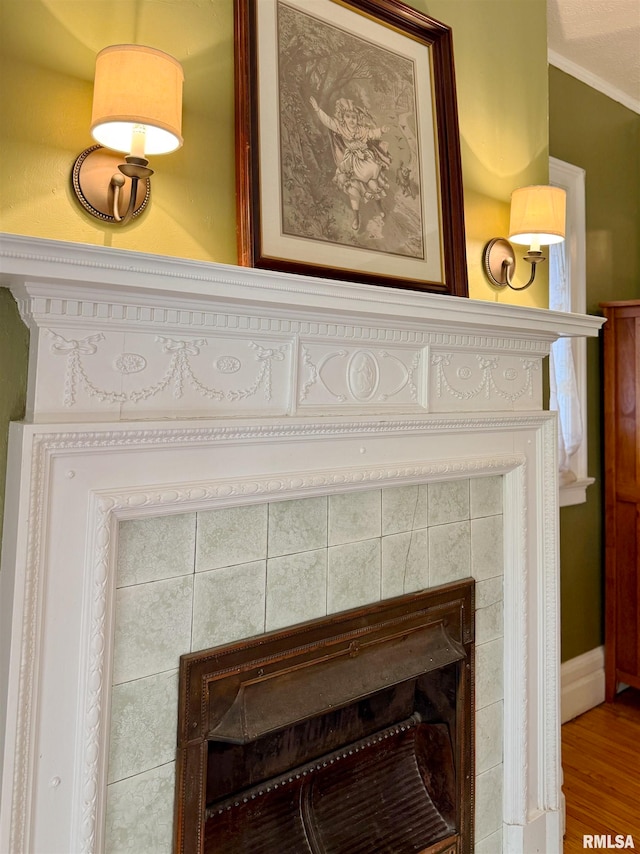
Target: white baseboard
[[582, 680]]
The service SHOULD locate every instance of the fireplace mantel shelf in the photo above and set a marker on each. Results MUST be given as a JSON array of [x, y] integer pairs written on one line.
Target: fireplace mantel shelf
[[120, 336], [70, 267]]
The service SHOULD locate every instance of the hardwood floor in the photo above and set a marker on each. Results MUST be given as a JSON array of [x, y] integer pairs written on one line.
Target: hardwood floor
[[601, 763]]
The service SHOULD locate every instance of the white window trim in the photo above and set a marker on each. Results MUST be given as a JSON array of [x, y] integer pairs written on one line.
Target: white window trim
[[572, 178]]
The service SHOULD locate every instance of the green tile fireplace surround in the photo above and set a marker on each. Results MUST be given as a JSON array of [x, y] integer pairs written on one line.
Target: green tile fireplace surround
[[192, 581]]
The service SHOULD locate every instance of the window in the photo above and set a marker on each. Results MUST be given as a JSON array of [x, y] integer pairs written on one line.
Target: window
[[568, 363]]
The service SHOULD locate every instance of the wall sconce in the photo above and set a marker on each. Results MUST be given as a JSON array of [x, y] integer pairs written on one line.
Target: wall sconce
[[537, 217], [137, 109]]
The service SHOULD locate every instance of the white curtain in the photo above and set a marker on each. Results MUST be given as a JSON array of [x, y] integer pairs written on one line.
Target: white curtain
[[562, 373]]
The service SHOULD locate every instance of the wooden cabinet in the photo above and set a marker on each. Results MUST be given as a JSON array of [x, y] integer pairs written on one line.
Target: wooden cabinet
[[622, 493]]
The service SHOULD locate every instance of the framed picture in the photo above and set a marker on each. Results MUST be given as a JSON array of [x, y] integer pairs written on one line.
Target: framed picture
[[348, 151]]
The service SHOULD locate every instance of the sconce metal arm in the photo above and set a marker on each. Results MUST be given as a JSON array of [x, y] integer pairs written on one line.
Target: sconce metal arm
[[136, 169], [99, 179]]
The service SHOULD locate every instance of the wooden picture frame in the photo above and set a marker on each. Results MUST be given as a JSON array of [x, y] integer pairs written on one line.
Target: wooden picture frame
[[348, 151]]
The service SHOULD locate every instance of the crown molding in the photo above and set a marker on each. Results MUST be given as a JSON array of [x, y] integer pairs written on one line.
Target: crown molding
[[590, 79]]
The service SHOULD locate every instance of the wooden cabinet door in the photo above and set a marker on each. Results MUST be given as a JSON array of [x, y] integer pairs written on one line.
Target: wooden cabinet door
[[622, 493]]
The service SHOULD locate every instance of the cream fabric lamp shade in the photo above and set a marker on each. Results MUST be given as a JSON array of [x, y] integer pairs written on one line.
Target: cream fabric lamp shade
[[537, 215], [137, 87]]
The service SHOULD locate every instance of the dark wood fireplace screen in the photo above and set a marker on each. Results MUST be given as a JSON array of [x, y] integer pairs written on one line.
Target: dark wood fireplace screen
[[352, 734]]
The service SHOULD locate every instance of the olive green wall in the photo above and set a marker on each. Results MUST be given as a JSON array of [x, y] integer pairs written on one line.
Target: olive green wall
[[598, 134], [14, 343]]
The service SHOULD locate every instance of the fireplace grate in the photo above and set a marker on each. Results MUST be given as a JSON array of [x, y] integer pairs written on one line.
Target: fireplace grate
[[368, 796]]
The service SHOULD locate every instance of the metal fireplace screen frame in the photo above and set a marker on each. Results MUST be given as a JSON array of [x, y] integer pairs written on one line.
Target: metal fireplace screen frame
[[328, 730]]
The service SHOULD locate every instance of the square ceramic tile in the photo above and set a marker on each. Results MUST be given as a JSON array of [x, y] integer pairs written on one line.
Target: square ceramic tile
[[153, 627], [448, 502], [355, 516], [489, 675], [231, 535], [354, 575], [144, 719], [157, 548], [140, 813], [490, 591], [489, 623], [488, 737], [487, 547], [405, 563], [449, 552], [486, 496], [296, 588], [490, 844], [228, 604], [404, 508], [297, 526], [489, 802]]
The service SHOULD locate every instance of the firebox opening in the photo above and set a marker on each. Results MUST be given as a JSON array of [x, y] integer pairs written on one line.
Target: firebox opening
[[388, 770], [232, 768], [379, 772]]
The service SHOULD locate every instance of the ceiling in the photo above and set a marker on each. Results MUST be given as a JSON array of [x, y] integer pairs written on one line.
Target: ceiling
[[598, 41]]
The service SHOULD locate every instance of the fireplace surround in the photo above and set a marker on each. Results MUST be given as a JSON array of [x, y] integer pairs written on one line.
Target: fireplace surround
[[218, 576], [159, 387]]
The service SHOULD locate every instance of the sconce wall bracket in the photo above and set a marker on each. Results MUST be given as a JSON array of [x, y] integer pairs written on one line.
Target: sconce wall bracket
[[94, 188], [500, 263], [498, 254]]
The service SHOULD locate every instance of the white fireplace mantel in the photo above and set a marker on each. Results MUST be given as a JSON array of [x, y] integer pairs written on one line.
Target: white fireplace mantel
[[120, 336], [158, 386]]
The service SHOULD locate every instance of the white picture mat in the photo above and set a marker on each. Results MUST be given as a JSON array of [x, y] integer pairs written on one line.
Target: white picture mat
[[274, 242]]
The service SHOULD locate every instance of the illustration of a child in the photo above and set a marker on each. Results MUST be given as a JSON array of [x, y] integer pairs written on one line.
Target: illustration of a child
[[361, 158]]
